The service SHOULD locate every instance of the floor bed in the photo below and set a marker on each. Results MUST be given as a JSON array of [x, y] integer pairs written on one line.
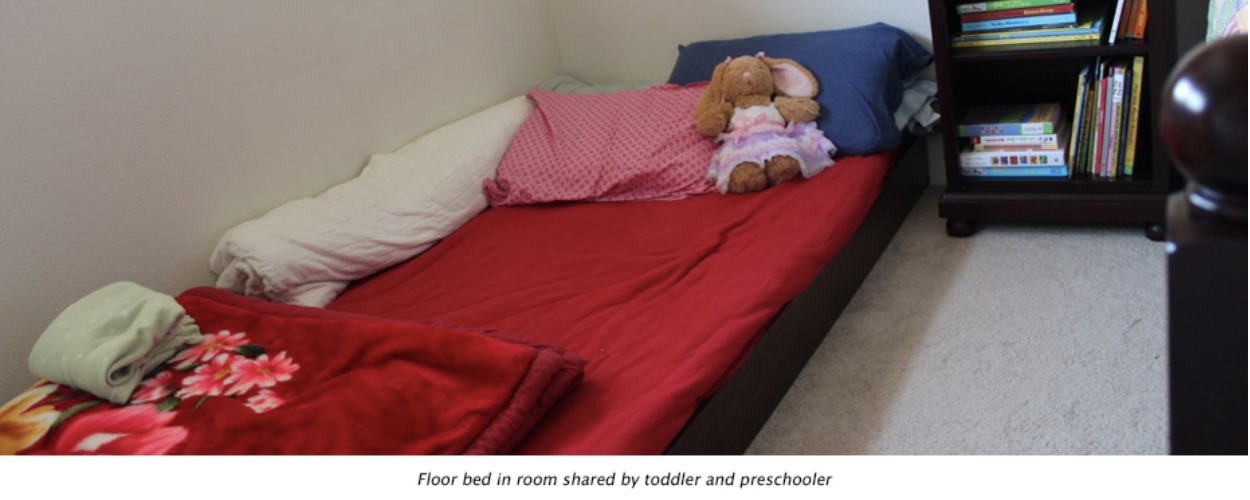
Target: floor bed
[[567, 328], [663, 310]]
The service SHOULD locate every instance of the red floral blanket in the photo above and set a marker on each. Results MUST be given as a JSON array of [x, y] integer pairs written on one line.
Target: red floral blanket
[[275, 379]]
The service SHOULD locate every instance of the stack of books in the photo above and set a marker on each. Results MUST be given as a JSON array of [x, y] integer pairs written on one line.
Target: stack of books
[[1105, 122], [1007, 22], [1015, 140]]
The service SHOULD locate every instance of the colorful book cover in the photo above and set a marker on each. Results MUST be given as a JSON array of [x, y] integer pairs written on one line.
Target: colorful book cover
[[1056, 171], [1028, 11], [1050, 21], [1090, 23], [993, 5], [970, 157], [1130, 149], [1022, 142], [1010, 119]]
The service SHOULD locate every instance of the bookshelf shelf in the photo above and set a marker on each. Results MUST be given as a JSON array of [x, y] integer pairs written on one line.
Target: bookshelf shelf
[[1078, 184], [1048, 51], [1047, 72]]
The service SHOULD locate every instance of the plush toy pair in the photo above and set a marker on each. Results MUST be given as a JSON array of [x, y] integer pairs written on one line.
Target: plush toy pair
[[761, 110]]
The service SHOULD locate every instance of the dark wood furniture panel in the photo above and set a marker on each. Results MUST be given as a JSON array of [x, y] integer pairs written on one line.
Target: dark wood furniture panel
[[1207, 250], [1028, 73]]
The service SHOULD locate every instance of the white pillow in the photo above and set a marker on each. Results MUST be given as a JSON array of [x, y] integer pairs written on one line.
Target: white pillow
[[306, 251]]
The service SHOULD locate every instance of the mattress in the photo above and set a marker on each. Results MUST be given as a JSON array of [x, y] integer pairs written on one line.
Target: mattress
[[664, 299]]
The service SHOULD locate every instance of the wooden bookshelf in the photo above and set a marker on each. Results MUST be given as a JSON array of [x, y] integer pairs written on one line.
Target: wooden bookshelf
[[1036, 72]]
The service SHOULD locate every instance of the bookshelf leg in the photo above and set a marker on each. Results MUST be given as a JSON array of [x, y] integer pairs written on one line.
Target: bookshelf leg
[[1156, 231], [960, 228]]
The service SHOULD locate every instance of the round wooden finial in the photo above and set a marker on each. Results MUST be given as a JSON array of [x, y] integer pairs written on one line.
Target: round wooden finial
[[1203, 123]]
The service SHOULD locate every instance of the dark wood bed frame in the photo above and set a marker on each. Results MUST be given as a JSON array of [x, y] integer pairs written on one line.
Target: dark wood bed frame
[[727, 423], [1206, 229]]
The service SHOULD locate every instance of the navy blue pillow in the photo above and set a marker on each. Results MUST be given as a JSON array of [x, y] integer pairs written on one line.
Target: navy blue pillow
[[860, 72]]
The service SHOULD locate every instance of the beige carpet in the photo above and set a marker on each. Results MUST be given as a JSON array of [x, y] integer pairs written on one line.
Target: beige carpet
[[1022, 339]]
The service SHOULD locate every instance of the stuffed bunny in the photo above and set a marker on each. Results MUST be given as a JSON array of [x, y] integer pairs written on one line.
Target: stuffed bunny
[[760, 110]]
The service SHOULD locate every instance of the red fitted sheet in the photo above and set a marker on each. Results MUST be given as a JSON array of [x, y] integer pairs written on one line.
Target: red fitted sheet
[[664, 299]]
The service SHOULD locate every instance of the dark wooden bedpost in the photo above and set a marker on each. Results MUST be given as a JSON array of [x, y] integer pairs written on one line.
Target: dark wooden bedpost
[[1203, 123]]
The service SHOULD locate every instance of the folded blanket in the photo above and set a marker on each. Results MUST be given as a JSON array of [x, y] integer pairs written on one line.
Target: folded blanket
[[107, 341], [279, 379]]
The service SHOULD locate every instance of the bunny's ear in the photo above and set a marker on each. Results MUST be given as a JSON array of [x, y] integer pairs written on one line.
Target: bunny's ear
[[712, 95], [791, 79], [718, 77]]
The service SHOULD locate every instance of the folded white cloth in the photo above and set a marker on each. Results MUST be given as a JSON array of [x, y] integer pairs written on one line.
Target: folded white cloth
[[107, 341], [306, 251]]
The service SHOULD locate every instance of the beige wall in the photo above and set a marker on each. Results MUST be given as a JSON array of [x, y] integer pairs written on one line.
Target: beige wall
[[134, 133], [611, 41]]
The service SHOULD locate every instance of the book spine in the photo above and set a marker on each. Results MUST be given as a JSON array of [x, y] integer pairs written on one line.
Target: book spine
[[1014, 41], [1115, 22], [1077, 115], [993, 5], [1139, 21], [1059, 171], [1114, 108], [1130, 149], [1015, 140], [1012, 147], [1125, 19], [1033, 158], [1131, 19], [1100, 121], [1088, 120], [1108, 143], [1030, 33], [1007, 129], [1122, 119], [1031, 11], [1021, 22]]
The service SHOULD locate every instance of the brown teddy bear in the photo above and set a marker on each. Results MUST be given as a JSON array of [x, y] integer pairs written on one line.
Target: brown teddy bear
[[761, 109]]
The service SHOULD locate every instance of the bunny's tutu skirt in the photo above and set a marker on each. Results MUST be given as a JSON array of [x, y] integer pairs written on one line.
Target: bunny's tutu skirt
[[801, 141]]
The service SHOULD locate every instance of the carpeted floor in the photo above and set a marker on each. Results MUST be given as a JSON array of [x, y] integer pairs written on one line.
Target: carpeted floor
[[1020, 340]]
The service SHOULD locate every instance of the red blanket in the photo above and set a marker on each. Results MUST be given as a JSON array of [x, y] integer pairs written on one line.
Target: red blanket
[[275, 379]]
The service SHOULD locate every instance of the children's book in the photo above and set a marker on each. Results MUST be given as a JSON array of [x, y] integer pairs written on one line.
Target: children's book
[[1130, 147], [1028, 11], [993, 5], [1011, 119], [1020, 142], [1077, 114], [1034, 158], [1059, 171], [1028, 22]]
